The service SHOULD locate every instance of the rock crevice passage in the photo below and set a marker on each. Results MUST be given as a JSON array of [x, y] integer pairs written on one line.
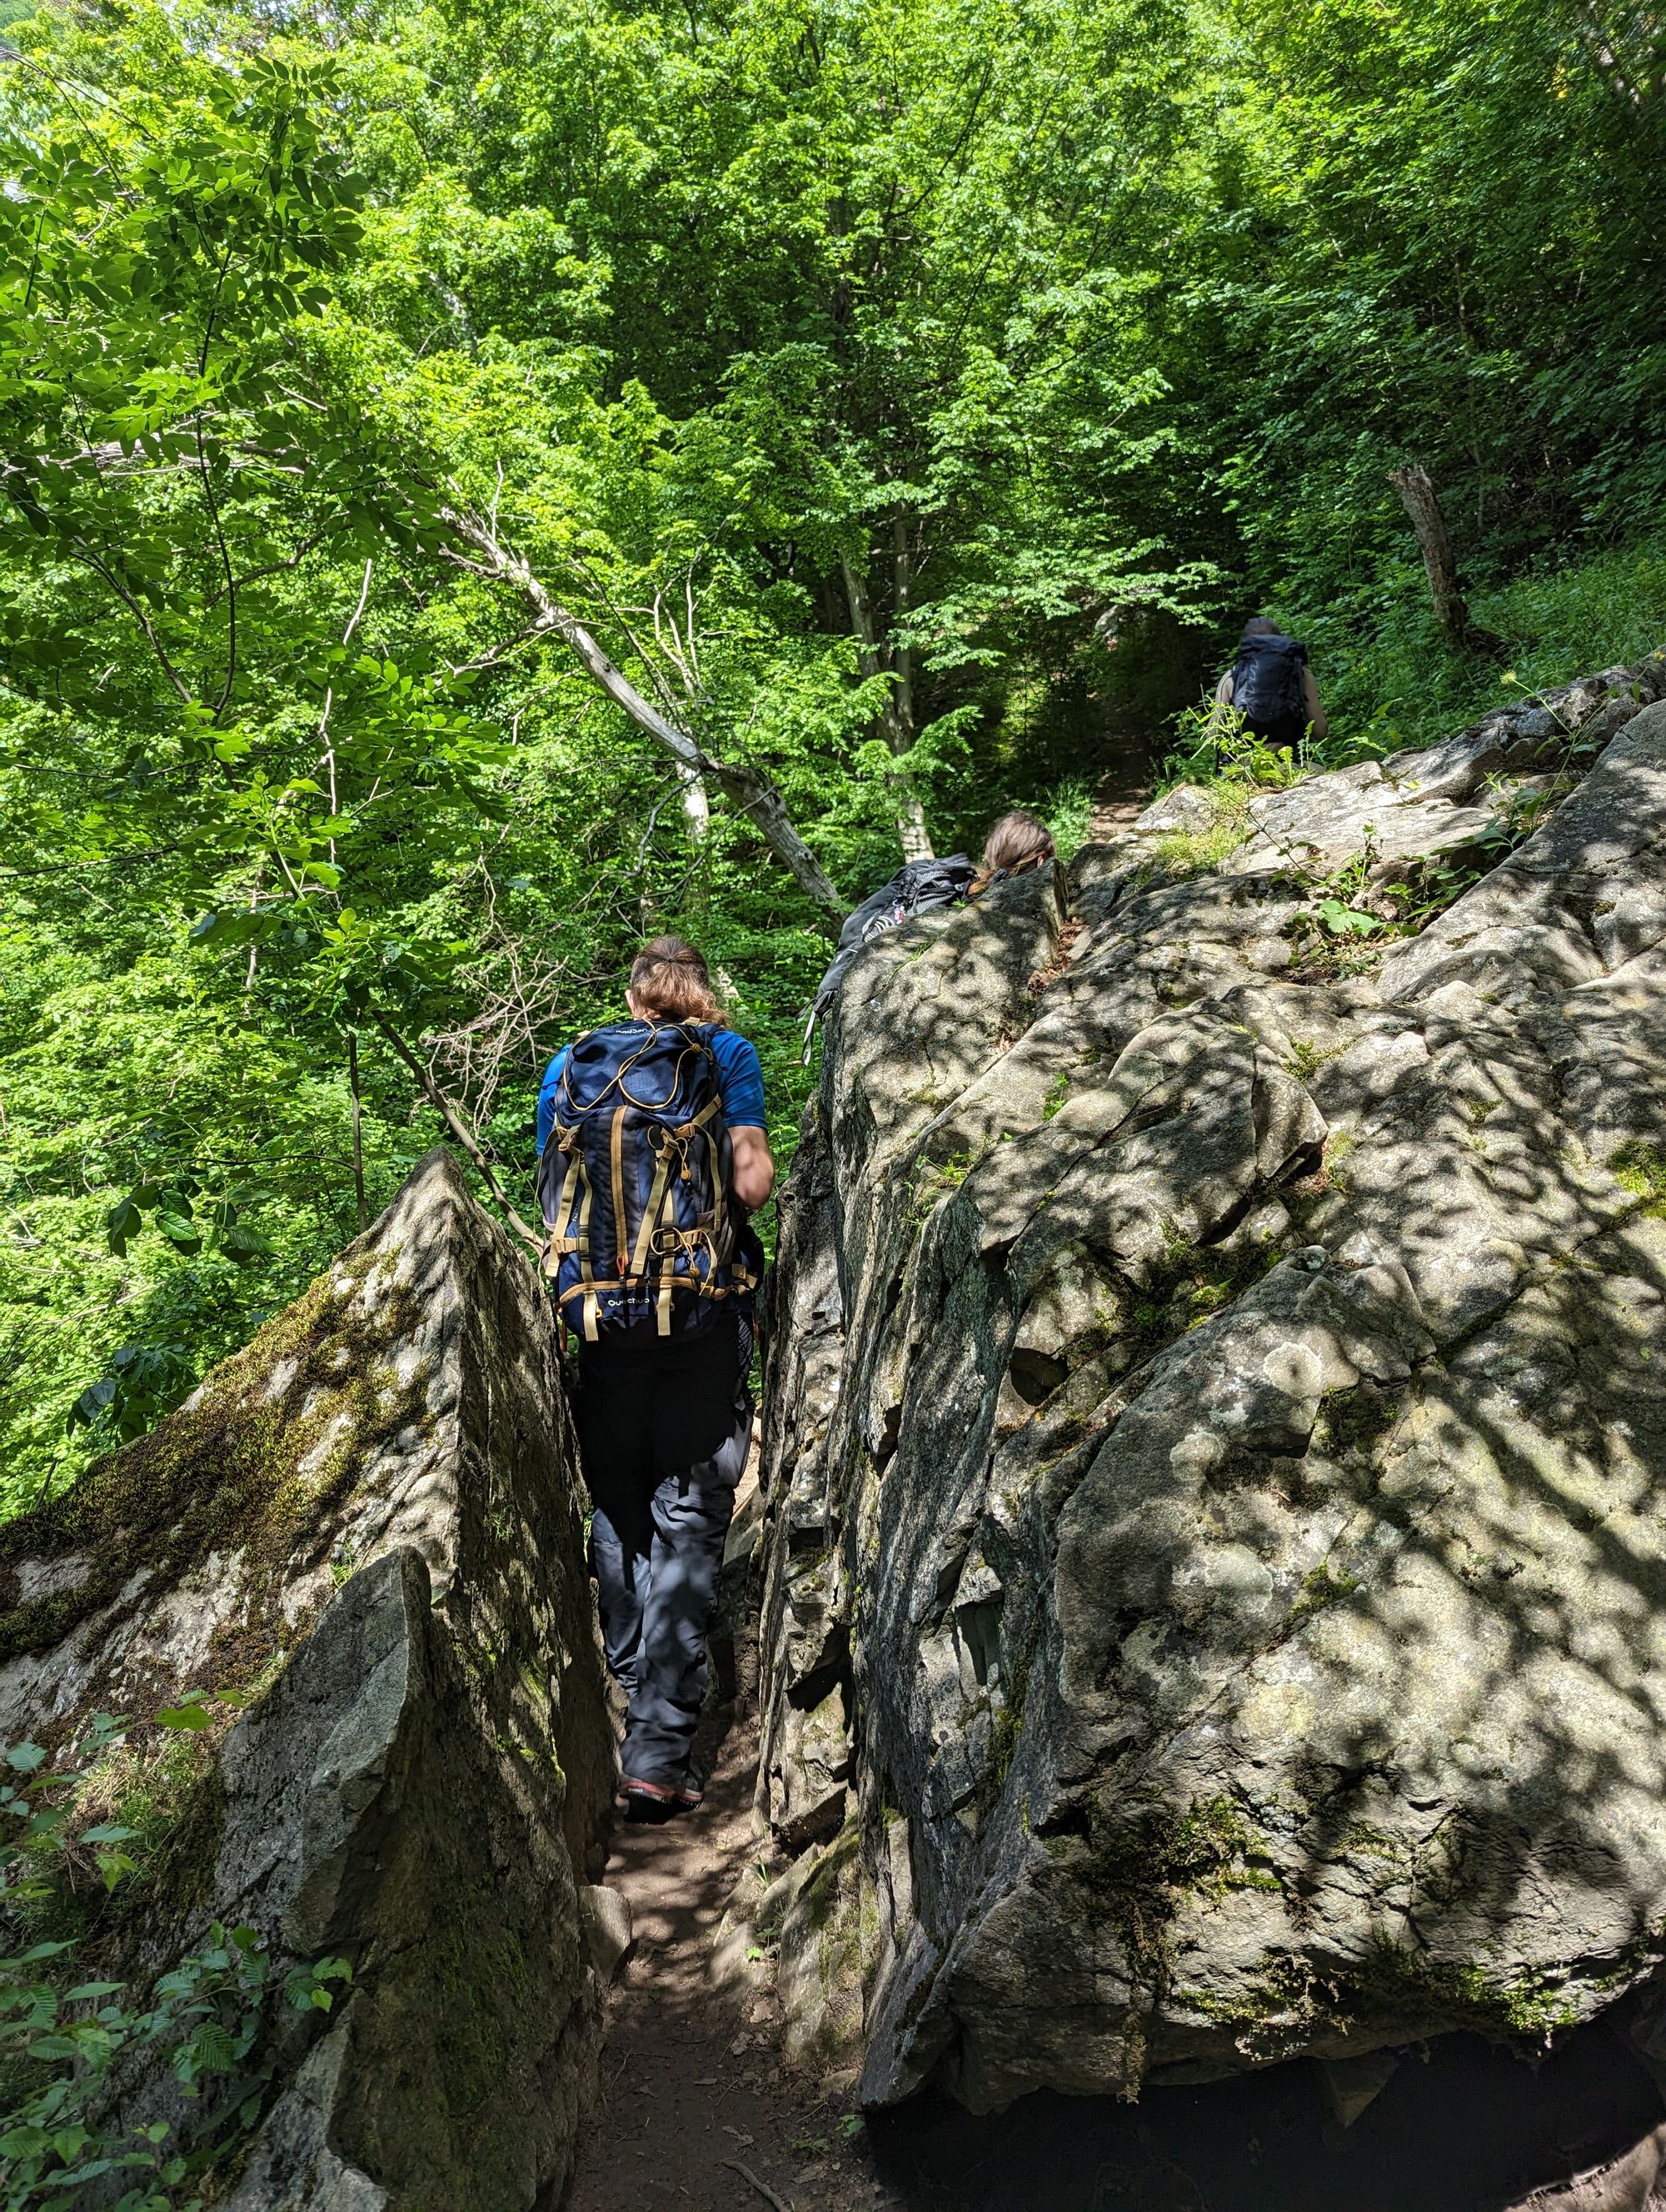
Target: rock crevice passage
[[1215, 1547]]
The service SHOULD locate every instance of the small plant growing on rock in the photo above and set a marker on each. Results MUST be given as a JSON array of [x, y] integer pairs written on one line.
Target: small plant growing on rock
[[1212, 746], [1641, 1168], [66, 2039], [1350, 919]]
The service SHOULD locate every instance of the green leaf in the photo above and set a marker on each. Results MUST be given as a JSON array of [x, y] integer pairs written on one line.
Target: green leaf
[[188, 1718], [24, 2142], [121, 1223], [243, 1243]]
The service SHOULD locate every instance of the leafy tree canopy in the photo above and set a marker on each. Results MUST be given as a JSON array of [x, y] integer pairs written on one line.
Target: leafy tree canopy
[[484, 483]]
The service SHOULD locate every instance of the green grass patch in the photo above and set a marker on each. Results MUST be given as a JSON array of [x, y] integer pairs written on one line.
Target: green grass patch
[[1404, 687], [1641, 1168]]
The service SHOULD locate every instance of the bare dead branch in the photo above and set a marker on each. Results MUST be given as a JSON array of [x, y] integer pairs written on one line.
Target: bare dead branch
[[460, 1129], [747, 788]]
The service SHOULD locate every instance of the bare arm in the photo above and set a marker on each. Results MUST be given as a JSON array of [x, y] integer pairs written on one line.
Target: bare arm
[[754, 1167], [1312, 706], [1220, 718]]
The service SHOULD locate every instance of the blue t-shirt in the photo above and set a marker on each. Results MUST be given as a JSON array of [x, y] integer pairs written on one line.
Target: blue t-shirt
[[739, 1085]]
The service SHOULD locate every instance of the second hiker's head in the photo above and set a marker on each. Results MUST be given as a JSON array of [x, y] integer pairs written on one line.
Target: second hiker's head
[[669, 983], [1020, 841], [1260, 626]]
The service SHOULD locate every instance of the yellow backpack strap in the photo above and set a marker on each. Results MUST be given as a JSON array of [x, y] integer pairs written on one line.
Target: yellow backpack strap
[[656, 1199], [580, 1244], [587, 1291], [615, 1166]]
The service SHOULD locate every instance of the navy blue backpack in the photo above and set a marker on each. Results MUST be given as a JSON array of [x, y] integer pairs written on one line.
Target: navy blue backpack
[[1266, 689], [635, 1182]]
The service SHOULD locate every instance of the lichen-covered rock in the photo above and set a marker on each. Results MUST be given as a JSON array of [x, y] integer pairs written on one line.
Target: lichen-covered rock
[[371, 1517], [1215, 1442]]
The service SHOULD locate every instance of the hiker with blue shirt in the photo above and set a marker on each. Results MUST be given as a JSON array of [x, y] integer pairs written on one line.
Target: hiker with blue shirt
[[653, 1151]]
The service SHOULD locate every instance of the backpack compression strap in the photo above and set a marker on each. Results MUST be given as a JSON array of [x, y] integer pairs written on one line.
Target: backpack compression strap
[[579, 1242], [676, 1142], [672, 1148]]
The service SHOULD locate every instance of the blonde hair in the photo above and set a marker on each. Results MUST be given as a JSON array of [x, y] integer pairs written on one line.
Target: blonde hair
[[669, 977], [1020, 841]]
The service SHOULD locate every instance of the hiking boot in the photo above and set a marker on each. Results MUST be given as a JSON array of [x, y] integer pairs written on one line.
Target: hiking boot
[[651, 1801], [656, 1801]]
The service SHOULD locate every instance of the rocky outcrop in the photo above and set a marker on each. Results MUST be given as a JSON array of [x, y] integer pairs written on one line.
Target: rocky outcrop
[[369, 1522], [1216, 1542]]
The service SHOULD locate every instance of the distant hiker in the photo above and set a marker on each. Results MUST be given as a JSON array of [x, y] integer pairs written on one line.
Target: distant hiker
[[1019, 842], [1271, 686], [652, 1152], [919, 888]]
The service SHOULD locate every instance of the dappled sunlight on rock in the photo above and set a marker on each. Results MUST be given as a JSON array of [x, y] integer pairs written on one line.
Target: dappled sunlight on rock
[[365, 1529], [1216, 1447]]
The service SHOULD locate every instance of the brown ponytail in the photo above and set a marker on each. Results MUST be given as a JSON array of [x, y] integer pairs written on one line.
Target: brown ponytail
[[669, 978], [1020, 841]]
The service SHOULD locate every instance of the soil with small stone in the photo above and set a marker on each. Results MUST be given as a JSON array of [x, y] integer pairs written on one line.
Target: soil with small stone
[[692, 2086], [1124, 788]]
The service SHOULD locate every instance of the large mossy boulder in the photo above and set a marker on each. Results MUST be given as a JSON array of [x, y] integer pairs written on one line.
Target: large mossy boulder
[[367, 1524], [1216, 1446]]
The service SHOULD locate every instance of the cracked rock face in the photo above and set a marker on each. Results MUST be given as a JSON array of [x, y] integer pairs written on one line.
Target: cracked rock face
[[1216, 1430], [374, 1511]]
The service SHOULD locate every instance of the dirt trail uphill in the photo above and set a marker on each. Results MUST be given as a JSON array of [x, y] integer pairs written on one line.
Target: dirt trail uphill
[[692, 2091]]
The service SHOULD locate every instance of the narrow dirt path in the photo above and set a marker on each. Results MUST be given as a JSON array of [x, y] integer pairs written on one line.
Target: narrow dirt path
[[693, 2089], [1113, 814], [1124, 790]]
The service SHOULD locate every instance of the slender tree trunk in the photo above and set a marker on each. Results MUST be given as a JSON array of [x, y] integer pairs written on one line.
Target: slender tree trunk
[[1422, 503], [358, 1128], [896, 720], [747, 789]]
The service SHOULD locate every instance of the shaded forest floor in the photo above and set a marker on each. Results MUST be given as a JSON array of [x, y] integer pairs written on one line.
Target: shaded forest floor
[[1131, 767], [693, 2088]]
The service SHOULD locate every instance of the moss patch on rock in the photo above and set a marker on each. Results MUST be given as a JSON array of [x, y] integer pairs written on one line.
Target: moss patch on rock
[[275, 1437]]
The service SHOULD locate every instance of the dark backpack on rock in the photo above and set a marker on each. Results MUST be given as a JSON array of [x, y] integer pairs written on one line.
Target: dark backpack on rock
[[635, 1184], [1266, 689], [914, 889]]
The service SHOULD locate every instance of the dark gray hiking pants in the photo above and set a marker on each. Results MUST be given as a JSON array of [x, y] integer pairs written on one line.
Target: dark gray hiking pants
[[663, 1432]]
